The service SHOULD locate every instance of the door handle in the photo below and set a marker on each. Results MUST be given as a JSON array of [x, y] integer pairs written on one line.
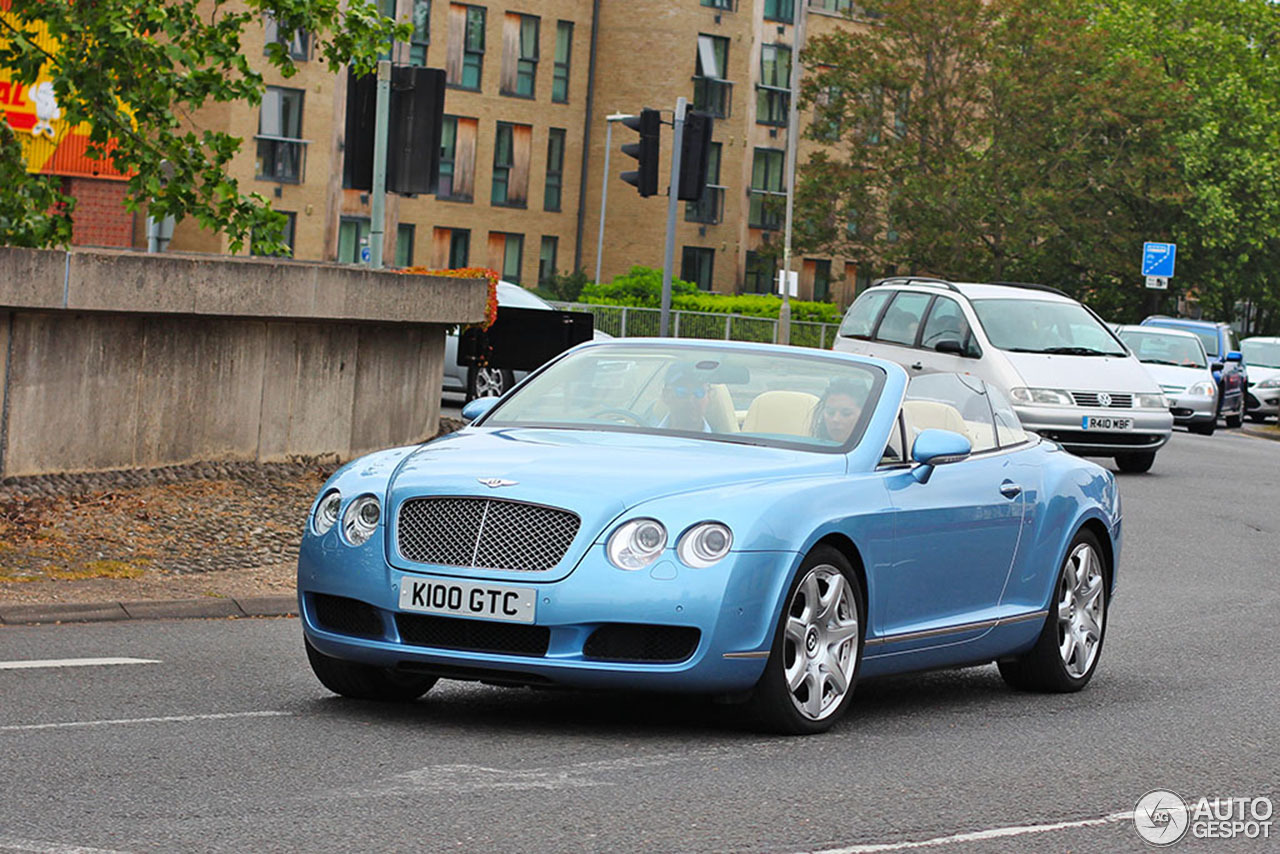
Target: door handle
[[1009, 489]]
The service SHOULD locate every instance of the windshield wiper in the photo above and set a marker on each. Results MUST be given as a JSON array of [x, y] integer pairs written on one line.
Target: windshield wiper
[[1078, 351], [1162, 362]]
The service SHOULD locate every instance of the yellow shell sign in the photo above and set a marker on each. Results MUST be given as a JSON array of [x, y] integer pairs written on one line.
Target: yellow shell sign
[[49, 144]]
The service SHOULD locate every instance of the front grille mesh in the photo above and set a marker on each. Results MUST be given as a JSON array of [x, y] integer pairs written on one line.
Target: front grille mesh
[[473, 635], [484, 533], [1090, 398], [638, 642], [346, 616]]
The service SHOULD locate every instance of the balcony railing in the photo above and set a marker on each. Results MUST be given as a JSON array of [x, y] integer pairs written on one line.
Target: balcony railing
[[766, 209], [282, 159], [712, 95], [709, 209]]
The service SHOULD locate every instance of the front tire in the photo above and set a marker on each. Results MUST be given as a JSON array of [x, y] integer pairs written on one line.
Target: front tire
[[488, 382], [1066, 654], [817, 648], [365, 682], [1203, 429], [1237, 419], [1135, 463]]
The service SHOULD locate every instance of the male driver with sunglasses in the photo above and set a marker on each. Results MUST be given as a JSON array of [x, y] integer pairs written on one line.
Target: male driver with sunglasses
[[685, 396]]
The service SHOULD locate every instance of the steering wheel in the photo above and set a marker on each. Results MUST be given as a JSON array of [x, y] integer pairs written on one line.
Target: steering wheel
[[619, 414]]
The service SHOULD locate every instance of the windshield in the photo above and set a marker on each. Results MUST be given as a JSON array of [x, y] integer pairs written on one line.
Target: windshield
[[1160, 348], [1042, 326], [1262, 353], [723, 394]]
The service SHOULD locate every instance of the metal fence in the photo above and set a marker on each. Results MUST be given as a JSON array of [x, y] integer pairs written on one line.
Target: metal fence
[[630, 321]]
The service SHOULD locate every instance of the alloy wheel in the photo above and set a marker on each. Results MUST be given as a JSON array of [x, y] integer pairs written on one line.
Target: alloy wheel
[[1080, 610], [820, 642]]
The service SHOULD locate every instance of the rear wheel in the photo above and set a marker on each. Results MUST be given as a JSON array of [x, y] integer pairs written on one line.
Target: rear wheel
[[365, 682], [1135, 463], [1066, 654], [1236, 419], [488, 382], [817, 648]]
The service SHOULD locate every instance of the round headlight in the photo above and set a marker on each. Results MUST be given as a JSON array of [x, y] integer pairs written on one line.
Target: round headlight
[[361, 520], [1203, 389], [636, 544], [704, 544], [326, 515]]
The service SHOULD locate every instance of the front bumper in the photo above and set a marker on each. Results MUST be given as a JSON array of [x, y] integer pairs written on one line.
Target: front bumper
[[1066, 426], [1262, 401], [729, 605], [1191, 409]]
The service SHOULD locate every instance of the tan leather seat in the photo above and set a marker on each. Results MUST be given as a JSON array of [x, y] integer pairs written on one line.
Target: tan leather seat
[[720, 414], [932, 415], [787, 412]]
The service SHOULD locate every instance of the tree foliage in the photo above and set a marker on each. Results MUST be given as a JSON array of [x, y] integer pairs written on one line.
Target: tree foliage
[[139, 72], [990, 139]]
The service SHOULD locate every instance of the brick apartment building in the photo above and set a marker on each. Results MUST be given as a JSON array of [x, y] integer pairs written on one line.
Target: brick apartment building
[[529, 87]]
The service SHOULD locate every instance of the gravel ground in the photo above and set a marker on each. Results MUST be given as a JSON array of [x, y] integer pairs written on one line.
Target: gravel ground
[[67, 531]]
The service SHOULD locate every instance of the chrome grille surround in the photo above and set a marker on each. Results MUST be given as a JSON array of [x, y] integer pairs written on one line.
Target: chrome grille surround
[[484, 533], [1090, 398]]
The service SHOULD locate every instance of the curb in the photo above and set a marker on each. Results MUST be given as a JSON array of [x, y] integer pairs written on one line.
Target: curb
[[1261, 432], [171, 609]]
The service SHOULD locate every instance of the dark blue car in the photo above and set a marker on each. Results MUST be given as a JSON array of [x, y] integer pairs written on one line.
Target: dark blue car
[[1228, 364]]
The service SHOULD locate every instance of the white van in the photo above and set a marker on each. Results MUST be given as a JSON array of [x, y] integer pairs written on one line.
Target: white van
[[1069, 377]]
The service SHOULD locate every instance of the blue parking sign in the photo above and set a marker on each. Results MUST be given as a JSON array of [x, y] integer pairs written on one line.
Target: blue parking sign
[[1157, 259]]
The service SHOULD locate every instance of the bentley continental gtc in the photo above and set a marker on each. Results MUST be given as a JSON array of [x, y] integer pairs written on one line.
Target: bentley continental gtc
[[765, 524]]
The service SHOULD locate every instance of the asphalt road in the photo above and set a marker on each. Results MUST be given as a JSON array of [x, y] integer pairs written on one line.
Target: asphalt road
[[227, 743]]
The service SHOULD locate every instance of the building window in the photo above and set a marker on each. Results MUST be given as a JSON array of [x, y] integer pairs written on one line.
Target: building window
[[506, 253], [842, 7], [711, 91], [353, 236], [710, 208], [759, 274], [286, 237], [520, 55], [421, 36], [511, 165], [555, 170], [450, 247], [296, 43], [696, 264], [404, 245], [821, 273], [547, 259], [766, 189], [719, 4], [465, 62], [773, 93], [281, 149], [779, 10], [457, 159], [560, 73]]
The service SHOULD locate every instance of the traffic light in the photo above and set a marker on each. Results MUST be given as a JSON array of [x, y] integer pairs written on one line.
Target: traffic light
[[415, 120], [649, 124], [695, 155]]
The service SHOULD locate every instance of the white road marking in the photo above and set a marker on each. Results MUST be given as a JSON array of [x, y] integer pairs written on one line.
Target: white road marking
[[72, 662], [979, 835], [9, 843], [165, 720]]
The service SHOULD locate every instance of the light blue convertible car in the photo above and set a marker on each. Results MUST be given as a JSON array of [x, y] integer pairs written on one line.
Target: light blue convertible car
[[764, 523]]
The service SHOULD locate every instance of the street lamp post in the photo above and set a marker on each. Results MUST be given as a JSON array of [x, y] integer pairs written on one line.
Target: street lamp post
[[784, 313], [604, 186]]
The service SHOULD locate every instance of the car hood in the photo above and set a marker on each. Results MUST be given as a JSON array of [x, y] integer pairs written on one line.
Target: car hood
[[597, 475], [1257, 374], [1123, 374], [1176, 378]]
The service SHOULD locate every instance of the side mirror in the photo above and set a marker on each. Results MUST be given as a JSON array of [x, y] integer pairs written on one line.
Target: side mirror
[[1216, 366], [1235, 356], [950, 345], [478, 407], [938, 447]]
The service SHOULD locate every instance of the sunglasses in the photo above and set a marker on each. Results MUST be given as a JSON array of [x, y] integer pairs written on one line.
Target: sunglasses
[[685, 391], [843, 411]]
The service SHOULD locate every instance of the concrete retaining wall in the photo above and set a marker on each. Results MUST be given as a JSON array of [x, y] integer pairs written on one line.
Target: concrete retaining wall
[[114, 360]]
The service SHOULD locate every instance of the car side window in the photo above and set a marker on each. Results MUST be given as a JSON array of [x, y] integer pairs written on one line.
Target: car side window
[[946, 322], [902, 318], [893, 449], [1233, 345], [952, 402], [1008, 428], [862, 315]]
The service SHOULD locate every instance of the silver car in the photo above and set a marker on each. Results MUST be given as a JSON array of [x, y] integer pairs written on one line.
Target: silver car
[[1069, 377], [1177, 361], [491, 382], [1262, 355]]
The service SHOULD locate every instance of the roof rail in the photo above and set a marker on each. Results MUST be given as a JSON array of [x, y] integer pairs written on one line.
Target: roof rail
[[915, 280], [1032, 286]]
